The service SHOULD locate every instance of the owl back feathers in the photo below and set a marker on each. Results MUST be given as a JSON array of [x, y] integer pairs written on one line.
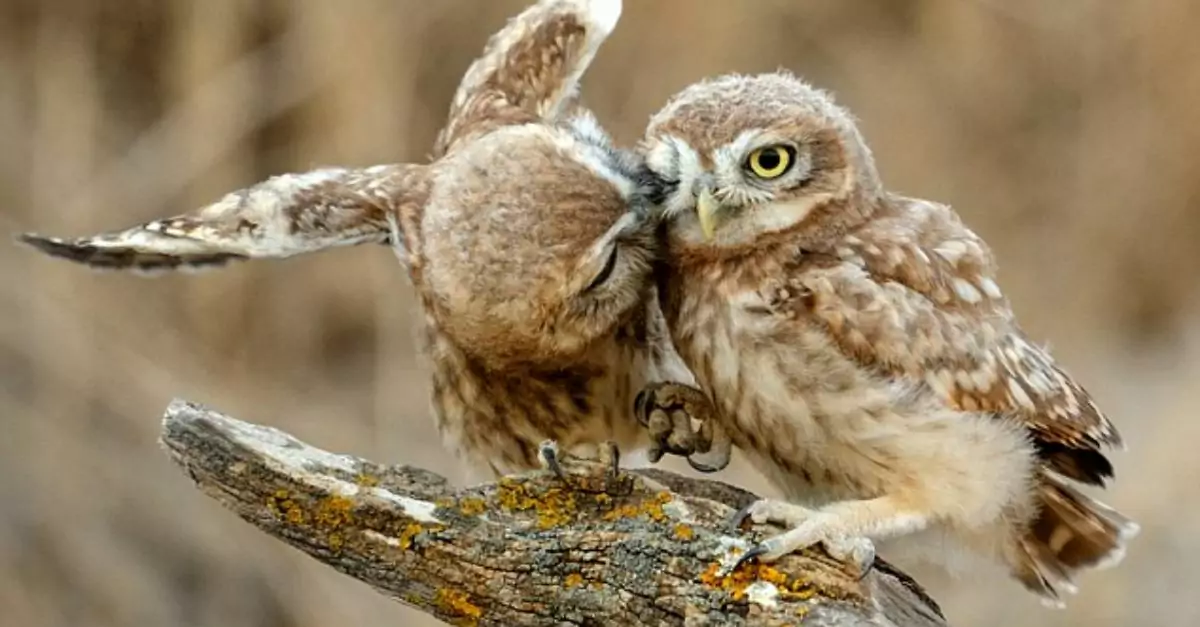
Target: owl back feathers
[[914, 295]]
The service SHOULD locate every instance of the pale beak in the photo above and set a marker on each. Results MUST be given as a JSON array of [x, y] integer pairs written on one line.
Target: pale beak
[[706, 210]]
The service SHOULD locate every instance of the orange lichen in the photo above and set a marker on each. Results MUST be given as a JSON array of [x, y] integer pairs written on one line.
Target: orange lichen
[[554, 507], [574, 580], [458, 604], [286, 508], [684, 532], [333, 512], [292, 513], [512, 495], [735, 583], [406, 536], [652, 509], [472, 506], [328, 513]]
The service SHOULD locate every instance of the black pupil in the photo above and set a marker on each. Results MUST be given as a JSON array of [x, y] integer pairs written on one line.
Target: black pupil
[[769, 159]]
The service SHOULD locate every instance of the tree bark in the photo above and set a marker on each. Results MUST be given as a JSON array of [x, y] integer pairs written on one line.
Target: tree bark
[[642, 547]]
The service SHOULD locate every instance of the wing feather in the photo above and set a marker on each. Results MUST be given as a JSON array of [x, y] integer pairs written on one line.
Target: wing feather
[[281, 217], [530, 69], [914, 294]]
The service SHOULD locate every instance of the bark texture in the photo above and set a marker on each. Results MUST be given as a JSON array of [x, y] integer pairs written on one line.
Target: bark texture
[[644, 547]]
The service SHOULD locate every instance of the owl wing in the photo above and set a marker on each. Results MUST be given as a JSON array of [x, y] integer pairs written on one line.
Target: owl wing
[[283, 216], [530, 70], [913, 294]]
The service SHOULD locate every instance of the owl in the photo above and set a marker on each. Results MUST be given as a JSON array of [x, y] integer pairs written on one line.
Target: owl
[[857, 346], [527, 239]]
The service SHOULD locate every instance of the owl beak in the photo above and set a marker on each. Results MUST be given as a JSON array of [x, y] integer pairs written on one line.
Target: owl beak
[[707, 208]]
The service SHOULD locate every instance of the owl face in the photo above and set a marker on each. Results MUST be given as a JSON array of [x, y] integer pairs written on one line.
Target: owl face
[[532, 250], [742, 156]]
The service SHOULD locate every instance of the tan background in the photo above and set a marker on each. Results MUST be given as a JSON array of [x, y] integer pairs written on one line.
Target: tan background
[[1065, 132]]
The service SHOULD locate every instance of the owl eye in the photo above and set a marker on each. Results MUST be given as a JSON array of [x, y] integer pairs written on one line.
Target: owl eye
[[606, 271], [771, 162]]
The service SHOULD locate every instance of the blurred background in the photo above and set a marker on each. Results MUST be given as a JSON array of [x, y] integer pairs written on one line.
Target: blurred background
[[1065, 132]]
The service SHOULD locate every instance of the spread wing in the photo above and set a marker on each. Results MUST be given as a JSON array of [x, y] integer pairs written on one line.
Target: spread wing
[[914, 294], [530, 70], [283, 216]]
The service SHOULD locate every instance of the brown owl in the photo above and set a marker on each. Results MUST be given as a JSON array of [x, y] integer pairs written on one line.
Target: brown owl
[[858, 347], [527, 239]]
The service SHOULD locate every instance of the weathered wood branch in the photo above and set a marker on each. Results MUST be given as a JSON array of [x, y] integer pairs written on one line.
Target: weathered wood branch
[[645, 548]]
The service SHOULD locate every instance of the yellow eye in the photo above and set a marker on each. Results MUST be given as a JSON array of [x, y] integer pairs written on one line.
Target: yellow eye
[[770, 162]]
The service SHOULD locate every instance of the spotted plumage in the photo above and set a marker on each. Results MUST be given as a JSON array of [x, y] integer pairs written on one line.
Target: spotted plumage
[[527, 238], [859, 348]]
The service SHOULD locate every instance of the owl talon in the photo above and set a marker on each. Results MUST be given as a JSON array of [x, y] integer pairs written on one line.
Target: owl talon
[[755, 552], [594, 472], [740, 517], [610, 456], [548, 455], [667, 410]]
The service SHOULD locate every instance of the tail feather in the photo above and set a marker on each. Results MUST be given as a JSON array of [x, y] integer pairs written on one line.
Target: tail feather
[[1072, 533]]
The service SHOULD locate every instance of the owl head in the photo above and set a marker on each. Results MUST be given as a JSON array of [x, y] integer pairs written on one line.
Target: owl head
[[537, 244], [741, 158]]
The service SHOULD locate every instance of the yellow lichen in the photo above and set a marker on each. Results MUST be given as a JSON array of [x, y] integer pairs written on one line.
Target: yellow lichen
[[366, 481], [406, 536], [472, 506], [512, 496], [555, 507], [336, 542], [458, 604], [292, 512], [735, 583], [284, 507], [574, 580], [333, 512], [652, 509], [684, 532]]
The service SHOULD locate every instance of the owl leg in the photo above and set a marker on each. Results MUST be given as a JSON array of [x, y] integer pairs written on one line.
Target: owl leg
[[667, 409], [843, 528]]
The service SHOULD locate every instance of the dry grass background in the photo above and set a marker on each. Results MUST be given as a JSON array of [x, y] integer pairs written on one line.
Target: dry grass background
[[1065, 132]]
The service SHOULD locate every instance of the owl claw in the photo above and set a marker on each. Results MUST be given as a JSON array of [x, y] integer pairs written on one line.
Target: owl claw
[[666, 410], [548, 455], [807, 527], [739, 518], [610, 456], [755, 552], [586, 478]]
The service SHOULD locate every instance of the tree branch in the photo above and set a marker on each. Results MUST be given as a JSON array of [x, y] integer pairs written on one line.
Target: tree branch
[[643, 548]]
